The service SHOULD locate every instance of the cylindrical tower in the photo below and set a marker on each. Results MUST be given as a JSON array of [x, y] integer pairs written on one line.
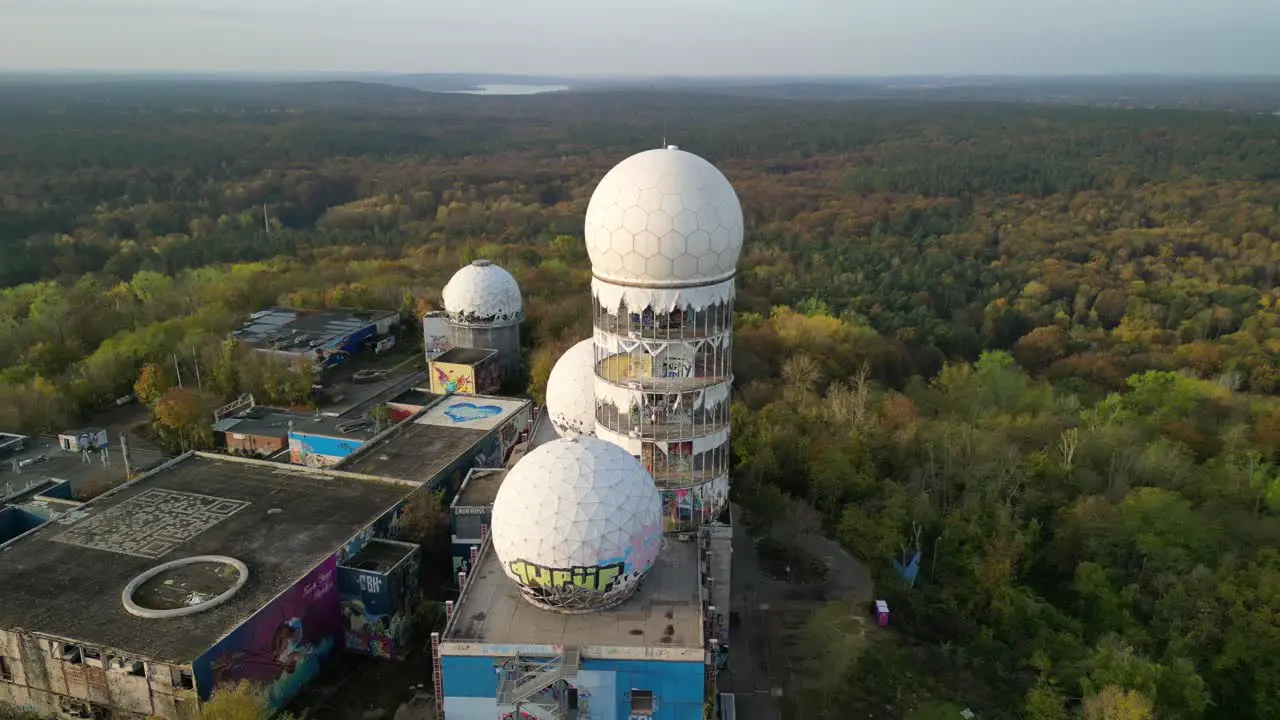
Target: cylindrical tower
[[484, 310], [664, 231]]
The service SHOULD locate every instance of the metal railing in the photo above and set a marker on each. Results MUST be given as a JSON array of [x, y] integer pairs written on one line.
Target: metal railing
[[524, 678]]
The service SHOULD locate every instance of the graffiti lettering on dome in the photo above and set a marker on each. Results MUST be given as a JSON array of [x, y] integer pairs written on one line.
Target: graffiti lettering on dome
[[597, 578]]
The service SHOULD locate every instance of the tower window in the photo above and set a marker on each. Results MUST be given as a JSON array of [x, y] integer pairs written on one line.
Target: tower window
[[641, 702]]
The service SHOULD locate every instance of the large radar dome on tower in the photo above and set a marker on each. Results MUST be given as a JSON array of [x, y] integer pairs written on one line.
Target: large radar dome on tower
[[483, 293], [576, 524], [571, 390], [664, 217]]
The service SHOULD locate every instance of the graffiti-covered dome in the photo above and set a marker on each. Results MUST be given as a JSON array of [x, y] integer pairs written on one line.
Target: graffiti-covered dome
[[576, 524]]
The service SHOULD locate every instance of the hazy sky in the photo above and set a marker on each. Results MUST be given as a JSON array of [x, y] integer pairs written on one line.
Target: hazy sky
[[655, 37]]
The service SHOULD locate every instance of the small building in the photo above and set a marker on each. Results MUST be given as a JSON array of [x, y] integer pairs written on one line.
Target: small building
[[324, 338], [500, 656], [323, 441], [484, 309], [378, 588], [267, 609], [257, 432], [471, 512], [466, 370], [84, 440]]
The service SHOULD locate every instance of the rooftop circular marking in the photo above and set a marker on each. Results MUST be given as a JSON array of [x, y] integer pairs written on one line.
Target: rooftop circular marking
[[133, 608]]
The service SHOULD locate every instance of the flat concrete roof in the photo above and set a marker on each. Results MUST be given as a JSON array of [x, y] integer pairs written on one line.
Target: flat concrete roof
[[290, 330], [65, 578], [415, 396], [663, 620], [464, 355], [480, 488], [262, 422], [475, 412], [380, 555], [413, 452]]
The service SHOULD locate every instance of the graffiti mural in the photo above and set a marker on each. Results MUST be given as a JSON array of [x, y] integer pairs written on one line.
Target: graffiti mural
[[282, 645], [467, 412], [599, 578], [682, 507], [377, 608], [449, 378]]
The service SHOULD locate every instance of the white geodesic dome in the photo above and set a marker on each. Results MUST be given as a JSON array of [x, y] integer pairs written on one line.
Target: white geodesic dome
[[664, 217], [483, 293], [571, 390], [576, 524]]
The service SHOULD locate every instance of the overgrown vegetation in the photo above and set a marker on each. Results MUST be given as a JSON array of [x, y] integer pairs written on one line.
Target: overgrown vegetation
[[1040, 345]]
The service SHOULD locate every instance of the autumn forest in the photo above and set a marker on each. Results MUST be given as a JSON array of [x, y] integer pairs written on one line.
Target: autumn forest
[[1039, 344]]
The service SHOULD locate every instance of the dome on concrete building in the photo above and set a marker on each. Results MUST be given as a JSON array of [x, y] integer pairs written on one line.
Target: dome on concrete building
[[576, 524], [571, 390], [483, 293], [664, 217]]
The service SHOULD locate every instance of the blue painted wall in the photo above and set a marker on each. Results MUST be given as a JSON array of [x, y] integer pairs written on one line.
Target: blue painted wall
[[355, 340], [302, 445], [471, 683], [377, 608], [15, 520]]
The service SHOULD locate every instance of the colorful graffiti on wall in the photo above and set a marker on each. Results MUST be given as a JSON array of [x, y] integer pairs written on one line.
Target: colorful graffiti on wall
[[377, 608], [450, 378], [694, 505], [282, 645], [464, 412]]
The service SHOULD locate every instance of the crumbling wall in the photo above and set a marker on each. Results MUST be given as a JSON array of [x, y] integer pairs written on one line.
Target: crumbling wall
[[54, 678]]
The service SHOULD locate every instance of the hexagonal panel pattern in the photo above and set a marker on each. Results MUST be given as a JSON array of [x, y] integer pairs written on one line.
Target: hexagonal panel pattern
[[666, 204], [571, 390], [576, 524], [483, 292]]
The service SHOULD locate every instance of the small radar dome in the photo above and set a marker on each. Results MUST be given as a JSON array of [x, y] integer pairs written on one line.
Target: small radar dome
[[571, 390], [482, 293], [576, 524], [664, 217]]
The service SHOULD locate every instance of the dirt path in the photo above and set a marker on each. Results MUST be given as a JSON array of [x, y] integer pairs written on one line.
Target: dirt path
[[772, 616]]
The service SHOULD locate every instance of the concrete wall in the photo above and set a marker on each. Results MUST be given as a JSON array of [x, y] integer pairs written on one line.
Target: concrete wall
[[15, 521], [282, 644], [604, 689], [35, 676], [506, 340], [255, 444]]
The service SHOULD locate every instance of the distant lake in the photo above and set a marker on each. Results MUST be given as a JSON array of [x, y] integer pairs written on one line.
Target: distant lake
[[513, 89]]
